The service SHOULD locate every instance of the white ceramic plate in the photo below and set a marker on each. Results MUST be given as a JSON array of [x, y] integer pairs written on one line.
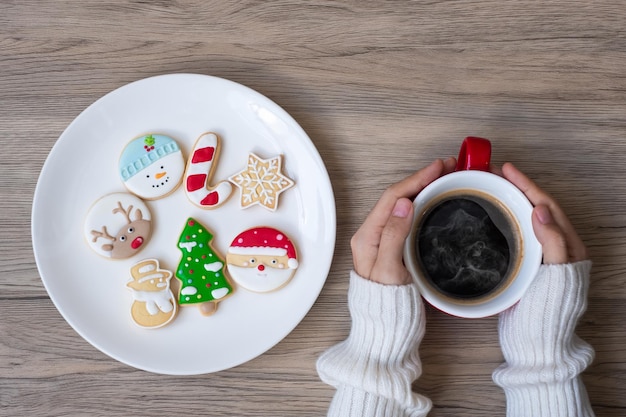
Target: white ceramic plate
[[89, 290]]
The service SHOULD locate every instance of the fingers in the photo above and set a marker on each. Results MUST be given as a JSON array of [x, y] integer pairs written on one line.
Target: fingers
[[550, 236], [365, 242], [407, 188], [388, 268], [552, 227]]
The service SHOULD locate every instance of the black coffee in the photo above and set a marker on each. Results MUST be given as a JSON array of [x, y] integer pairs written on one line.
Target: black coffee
[[466, 246]]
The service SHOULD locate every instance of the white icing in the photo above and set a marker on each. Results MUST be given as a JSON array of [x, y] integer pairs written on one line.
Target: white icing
[[219, 293], [145, 183], [260, 281], [151, 276], [257, 250], [189, 290], [147, 268], [187, 245], [214, 266], [155, 300]]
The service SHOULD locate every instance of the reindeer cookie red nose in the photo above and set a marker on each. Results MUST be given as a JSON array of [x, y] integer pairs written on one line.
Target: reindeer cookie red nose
[[137, 242]]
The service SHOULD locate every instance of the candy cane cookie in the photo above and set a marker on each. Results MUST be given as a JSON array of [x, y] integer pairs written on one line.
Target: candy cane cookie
[[199, 172]]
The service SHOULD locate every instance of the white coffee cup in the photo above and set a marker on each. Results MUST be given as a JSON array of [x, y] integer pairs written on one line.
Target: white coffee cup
[[508, 210]]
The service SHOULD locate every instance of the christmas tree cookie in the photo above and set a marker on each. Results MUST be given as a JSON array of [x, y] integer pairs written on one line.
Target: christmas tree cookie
[[201, 270]]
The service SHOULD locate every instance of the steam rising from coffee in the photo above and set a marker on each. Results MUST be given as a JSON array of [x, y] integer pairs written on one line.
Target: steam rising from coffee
[[462, 247]]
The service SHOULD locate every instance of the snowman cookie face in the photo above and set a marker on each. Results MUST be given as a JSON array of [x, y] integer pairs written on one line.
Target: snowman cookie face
[[262, 259], [152, 166], [118, 226]]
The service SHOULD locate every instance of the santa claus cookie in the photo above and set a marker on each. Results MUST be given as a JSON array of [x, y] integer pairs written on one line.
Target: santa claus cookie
[[262, 182], [154, 304], [201, 270], [262, 259], [152, 166], [118, 226]]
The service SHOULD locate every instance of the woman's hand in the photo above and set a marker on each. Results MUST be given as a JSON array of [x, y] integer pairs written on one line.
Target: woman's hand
[[378, 245], [561, 244]]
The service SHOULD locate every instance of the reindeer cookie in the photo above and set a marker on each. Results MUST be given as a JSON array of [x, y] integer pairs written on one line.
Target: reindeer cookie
[[154, 304], [118, 226]]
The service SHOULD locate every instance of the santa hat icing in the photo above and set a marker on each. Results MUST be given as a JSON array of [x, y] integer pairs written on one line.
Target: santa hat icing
[[264, 241], [143, 151]]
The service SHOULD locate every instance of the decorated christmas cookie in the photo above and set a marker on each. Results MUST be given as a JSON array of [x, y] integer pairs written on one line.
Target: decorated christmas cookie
[[262, 182], [201, 270], [118, 226], [152, 166], [262, 259], [200, 167], [154, 304]]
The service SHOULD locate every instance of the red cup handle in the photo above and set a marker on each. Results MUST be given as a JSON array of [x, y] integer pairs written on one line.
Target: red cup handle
[[475, 154]]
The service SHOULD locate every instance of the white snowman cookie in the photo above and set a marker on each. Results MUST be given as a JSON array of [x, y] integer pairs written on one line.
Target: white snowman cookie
[[262, 259], [152, 166], [153, 304], [118, 226]]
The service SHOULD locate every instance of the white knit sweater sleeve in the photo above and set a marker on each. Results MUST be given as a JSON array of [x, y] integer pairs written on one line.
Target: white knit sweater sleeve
[[374, 367], [544, 357]]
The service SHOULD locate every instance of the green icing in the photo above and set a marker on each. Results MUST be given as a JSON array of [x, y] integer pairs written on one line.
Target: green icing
[[201, 270], [149, 140]]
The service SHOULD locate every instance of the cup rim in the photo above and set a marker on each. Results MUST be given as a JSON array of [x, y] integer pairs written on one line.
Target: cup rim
[[519, 206]]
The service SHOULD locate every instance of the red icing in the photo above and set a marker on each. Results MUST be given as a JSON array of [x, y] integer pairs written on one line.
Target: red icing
[[203, 155], [211, 199], [261, 268], [265, 237], [195, 182], [135, 244]]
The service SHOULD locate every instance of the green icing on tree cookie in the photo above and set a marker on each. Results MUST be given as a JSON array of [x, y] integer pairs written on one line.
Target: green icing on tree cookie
[[201, 269]]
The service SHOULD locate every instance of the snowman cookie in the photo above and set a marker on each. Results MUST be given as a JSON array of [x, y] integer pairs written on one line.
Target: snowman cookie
[[152, 166], [262, 259], [153, 304], [118, 226]]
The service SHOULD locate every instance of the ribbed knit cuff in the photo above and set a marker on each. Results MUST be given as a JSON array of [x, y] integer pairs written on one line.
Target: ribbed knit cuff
[[373, 369], [544, 357]]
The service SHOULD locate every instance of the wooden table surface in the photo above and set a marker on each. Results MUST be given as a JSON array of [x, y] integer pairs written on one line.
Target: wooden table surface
[[382, 88]]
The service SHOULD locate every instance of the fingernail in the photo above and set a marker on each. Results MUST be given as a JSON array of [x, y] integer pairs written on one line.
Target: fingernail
[[543, 214], [402, 208]]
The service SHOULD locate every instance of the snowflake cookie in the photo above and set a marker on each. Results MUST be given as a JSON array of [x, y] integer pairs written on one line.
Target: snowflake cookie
[[262, 182]]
